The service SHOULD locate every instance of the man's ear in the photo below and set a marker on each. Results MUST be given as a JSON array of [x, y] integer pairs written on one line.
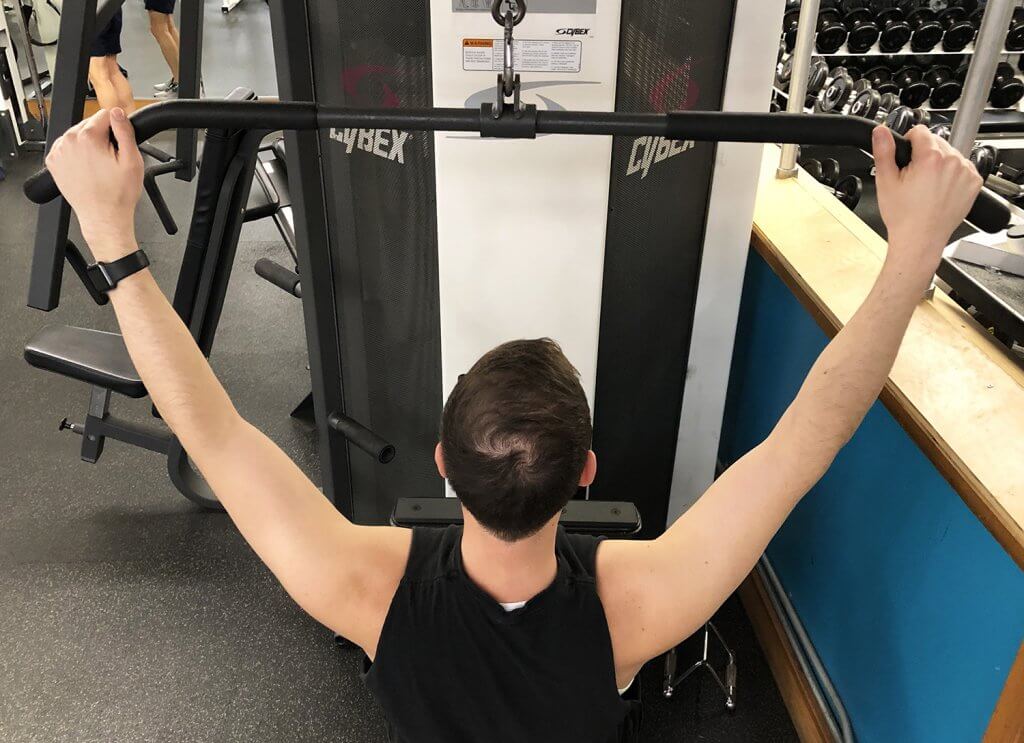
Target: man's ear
[[589, 470], [439, 461]]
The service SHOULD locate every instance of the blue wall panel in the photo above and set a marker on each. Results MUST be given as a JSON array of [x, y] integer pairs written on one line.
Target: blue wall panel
[[915, 609]]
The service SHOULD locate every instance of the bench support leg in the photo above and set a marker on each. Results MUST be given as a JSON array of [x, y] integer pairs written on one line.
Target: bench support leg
[[92, 439]]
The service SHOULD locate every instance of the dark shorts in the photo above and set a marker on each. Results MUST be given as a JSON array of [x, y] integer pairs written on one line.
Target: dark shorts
[[108, 41], [161, 6]]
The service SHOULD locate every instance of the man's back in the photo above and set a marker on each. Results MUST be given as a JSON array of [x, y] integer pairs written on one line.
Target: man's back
[[453, 664]]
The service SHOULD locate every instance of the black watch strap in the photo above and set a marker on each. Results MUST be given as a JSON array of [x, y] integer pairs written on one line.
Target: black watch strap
[[105, 276]]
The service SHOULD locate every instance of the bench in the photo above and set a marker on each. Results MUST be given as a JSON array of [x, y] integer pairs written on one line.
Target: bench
[[95, 357], [603, 518]]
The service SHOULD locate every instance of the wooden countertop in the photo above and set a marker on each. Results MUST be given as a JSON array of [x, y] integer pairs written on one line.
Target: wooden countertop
[[955, 390]]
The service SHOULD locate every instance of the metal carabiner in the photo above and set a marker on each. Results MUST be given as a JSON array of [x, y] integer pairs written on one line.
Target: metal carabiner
[[509, 74], [516, 7]]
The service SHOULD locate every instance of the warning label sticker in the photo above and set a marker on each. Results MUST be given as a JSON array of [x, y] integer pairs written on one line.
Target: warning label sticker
[[488, 55]]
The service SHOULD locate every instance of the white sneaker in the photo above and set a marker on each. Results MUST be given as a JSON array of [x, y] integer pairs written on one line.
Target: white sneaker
[[161, 87], [169, 93]]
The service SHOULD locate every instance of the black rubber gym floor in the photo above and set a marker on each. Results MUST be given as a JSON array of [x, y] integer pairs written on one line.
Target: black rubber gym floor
[[126, 614]]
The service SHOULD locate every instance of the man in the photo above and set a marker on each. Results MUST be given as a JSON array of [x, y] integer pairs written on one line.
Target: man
[[508, 629], [111, 86], [161, 25]]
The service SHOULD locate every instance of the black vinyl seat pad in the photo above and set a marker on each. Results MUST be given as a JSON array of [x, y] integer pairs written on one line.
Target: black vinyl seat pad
[[92, 356]]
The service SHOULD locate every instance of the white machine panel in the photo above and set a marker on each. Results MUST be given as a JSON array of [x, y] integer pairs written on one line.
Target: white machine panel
[[521, 225]]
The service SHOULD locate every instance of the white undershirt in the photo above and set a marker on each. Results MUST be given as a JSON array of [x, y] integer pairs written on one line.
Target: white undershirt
[[512, 606]]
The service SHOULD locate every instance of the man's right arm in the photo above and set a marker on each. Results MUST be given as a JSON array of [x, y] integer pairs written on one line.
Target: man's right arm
[[341, 574], [670, 586]]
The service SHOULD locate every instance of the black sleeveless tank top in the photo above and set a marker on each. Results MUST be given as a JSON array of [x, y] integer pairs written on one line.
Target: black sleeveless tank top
[[453, 666]]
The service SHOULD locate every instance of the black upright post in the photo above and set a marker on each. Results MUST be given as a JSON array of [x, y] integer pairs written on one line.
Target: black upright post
[[77, 31], [293, 56], [190, 65]]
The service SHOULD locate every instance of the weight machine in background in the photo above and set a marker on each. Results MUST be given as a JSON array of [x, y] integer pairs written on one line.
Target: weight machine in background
[[21, 80]]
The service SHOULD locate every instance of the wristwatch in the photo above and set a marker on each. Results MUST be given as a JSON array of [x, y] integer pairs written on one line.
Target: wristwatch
[[105, 276]]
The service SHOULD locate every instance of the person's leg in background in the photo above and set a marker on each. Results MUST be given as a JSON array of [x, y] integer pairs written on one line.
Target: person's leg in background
[[111, 86], [125, 97], [161, 25], [99, 77]]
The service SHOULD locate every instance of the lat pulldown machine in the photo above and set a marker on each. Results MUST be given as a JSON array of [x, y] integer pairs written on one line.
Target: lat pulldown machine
[[505, 116]]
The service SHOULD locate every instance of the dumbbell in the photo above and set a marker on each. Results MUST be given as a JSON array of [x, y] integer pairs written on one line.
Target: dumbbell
[[914, 91], [1015, 36], [836, 93], [830, 171], [926, 31], [945, 88], [1007, 90], [825, 172], [903, 118], [881, 80], [861, 30], [817, 74], [848, 189], [960, 30], [985, 159], [790, 24], [813, 168], [895, 31], [874, 106], [831, 31]]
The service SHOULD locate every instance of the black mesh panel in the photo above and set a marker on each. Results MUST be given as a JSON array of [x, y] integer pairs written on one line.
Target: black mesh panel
[[673, 56], [376, 54]]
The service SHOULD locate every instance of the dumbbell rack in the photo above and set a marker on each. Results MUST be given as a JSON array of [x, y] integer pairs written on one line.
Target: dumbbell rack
[[875, 56], [995, 299]]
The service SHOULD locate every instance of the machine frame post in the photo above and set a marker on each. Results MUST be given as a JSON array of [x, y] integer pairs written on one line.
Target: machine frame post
[[292, 49], [190, 84], [77, 28]]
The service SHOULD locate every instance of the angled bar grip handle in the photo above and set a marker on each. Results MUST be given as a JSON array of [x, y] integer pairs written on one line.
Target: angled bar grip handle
[[156, 195], [77, 260], [362, 437], [186, 114]]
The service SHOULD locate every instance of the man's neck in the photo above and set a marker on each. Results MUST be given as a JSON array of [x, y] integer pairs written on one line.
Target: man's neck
[[509, 572]]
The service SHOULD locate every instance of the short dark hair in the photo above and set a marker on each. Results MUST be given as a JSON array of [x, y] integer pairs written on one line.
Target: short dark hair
[[515, 433]]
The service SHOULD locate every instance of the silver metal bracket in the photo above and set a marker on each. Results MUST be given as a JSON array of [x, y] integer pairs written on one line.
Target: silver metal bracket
[[508, 81], [727, 685]]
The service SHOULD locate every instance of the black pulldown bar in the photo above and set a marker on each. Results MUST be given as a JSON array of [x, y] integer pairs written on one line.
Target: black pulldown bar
[[988, 212]]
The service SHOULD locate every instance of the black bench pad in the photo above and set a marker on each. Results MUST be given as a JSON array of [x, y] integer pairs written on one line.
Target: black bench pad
[[90, 356], [606, 518]]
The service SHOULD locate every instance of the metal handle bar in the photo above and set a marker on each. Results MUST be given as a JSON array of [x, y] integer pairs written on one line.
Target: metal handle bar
[[988, 212], [362, 437]]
